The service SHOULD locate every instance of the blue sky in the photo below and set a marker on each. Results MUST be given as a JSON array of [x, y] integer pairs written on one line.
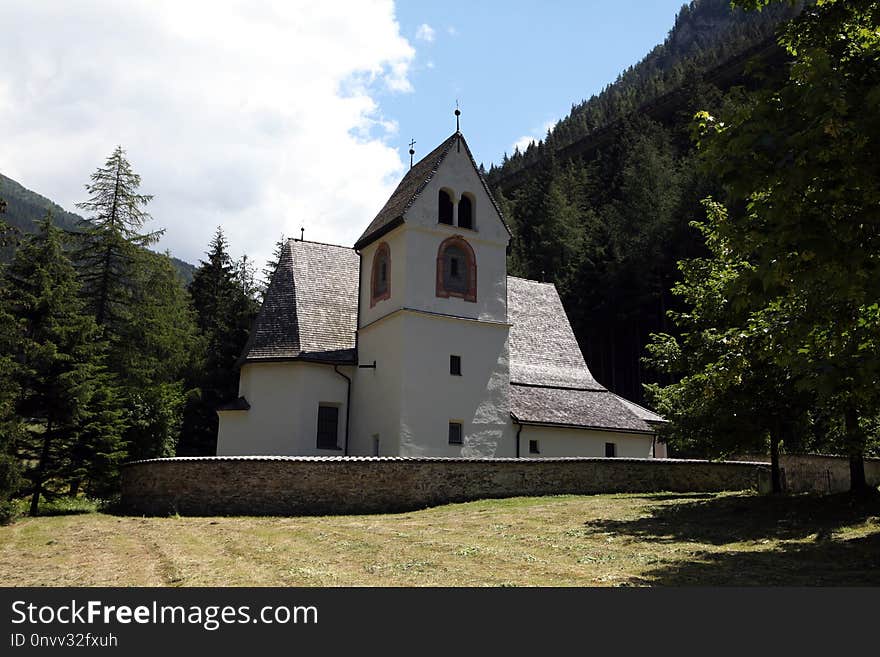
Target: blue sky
[[264, 116], [515, 66]]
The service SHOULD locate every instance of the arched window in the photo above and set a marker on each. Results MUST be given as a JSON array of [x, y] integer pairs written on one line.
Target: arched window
[[456, 270], [380, 278], [466, 212], [444, 209]]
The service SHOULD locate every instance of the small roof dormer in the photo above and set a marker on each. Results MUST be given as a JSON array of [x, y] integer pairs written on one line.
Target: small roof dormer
[[394, 212]]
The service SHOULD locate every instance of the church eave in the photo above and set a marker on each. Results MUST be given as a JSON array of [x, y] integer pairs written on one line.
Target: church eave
[[366, 240]]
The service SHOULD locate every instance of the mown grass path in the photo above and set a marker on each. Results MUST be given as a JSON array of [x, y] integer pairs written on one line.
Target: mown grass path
[[602, 540]]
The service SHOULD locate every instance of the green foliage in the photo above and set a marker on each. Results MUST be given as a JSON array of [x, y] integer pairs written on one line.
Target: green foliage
[[60, 357], [601, 207], [139, 300], [108, 256], [223, 295], [796, 253]]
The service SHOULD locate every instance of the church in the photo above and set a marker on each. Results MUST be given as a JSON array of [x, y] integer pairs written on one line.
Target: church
[[416, 343]]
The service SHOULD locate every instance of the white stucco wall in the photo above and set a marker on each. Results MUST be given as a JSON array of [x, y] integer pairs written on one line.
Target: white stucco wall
[[458, 175], [376, 393], [410, 398], [415, 244], [283, 418], [554, 441], [433, 397], [397, 243]]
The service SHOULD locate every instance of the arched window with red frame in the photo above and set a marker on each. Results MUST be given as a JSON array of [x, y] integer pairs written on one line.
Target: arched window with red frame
[[456, 269], [380, 277]]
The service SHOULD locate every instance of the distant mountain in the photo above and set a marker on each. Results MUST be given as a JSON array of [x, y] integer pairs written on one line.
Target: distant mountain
[[602, 205], [24, 207]]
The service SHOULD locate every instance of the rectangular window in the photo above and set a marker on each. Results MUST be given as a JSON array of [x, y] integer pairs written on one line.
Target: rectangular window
[[328, 427], [455, 365], [533, 447], [455, 433], [610, 449]]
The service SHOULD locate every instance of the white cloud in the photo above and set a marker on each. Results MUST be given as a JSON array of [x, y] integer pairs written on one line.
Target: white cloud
[[257, 116], [523, 142], [425, 33]]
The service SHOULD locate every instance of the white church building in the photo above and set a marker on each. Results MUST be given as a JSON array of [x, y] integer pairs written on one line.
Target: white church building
[[416, 342]]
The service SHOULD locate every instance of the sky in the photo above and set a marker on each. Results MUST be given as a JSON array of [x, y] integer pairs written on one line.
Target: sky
[[263, 117]]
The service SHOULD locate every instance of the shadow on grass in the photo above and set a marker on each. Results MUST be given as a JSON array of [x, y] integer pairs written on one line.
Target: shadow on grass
[[723, 520], [832, 562]]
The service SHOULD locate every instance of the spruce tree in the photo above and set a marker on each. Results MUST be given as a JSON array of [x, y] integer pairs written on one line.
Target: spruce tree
[[271, 265], [161, 352], [10, 423], [225, 312], [60, 352]]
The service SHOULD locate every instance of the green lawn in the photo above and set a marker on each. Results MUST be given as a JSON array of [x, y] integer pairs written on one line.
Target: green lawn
[[602, 540]]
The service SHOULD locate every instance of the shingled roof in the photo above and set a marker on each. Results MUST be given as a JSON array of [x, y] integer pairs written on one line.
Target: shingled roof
[[550, 381], [567, 407], [310, 309], [543, 349], [416, 179], [310, 313]]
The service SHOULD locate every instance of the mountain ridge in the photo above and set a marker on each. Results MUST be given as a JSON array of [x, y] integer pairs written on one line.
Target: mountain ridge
[[24, 207]]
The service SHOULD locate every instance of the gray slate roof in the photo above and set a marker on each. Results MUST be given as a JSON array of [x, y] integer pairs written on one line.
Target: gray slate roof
[[550, 381], [416, 179], [543, 349], [643, 413], [594, 409], [310, 309]]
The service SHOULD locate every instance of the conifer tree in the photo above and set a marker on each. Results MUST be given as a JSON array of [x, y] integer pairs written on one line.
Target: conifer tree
[[224, 312], [61, 361], [271, 265], [162, 351], [109, 253], [10, 423]]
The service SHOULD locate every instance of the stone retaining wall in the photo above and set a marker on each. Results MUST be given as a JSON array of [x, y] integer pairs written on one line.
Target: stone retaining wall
[[342, 485]]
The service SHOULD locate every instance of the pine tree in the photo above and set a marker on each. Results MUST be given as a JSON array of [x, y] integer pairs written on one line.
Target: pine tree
[[61, 356], [225, 312]]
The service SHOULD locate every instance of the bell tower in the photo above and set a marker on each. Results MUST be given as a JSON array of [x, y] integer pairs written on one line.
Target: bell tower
[[433, 315]]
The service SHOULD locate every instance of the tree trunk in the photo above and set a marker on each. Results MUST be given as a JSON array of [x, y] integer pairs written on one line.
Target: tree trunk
[[74, 488], [41, 470], [775, 474], [855, 444]]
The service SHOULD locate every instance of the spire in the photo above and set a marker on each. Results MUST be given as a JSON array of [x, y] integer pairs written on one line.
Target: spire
[[411, 152], [457, 126], [302, 234]]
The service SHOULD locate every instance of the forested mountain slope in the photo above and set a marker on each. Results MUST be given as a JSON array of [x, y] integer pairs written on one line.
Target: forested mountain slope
[[24, 207], [602, 206]]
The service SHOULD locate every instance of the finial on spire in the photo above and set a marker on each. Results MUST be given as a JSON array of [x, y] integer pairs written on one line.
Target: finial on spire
[[457, 115], [302, 234], [411, 152]]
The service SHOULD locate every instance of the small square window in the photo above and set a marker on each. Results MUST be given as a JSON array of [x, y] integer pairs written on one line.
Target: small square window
[[455, 365], [533, 447], [455, 433], [610, 449]]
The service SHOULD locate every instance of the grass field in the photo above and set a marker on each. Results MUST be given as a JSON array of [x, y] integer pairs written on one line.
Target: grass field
[[602, 540]]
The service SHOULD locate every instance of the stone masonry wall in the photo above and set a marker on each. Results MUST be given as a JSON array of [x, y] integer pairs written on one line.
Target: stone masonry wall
[[817, 473], [341, 485]]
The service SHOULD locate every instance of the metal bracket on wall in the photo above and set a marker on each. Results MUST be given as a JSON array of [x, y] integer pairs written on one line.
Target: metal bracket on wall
[[368, 367]]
